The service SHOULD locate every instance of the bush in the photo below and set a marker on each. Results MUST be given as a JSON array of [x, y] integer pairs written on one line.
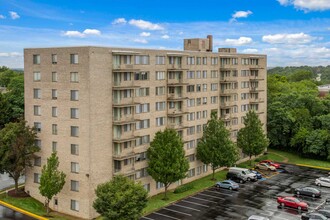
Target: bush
[[184, 188]]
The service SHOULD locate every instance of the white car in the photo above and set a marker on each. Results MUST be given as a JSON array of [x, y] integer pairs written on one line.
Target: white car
[[257, 217], [322, 181], [264, 166]]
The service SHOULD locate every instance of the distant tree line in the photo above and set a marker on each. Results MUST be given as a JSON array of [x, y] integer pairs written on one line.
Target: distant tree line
[[298, 120]]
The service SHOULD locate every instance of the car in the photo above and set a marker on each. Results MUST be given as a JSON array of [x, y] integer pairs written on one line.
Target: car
[[265, 166], [271, 163], [259, 176], [257, 217], [313, 216], [289, 201], [322, 181], [227, 184], [245, 173], [324, 212], [308, 191], [236, 177]]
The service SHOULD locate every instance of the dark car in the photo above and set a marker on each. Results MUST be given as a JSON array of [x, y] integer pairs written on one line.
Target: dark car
[[313, 215], [308, 191], [236, 177], [259, 176], [324, 212]]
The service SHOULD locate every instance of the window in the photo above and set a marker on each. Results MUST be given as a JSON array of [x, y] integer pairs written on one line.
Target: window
[[191, 144], [142, 140], [204, 74], [36, 76], [160, 60], [74, 205], [74, 77], [190, 60], [191, 130], [74, 58], [143, 124], [74, 149], [37, 110], [199, 101], [141, 156], [204, 100], [160, 75], [36, 177], [54, 146], [142, 108], [191, 88], [214, 74], [147, 187], [245, 61], [142, 92], [74, 167], [127, 127], [37, 93], [160, 90], [191, 116], [54, 129], [142, 59], [214, 99], [54, 111], [54, 58], [54, 77], [205, 168], [190, 74], [204, 87], [191, 173], [159, 185], [54, 93], [198, 74], [36, 59], [128, 161], [199, 128], [244, 108], [214, 86], [245, 96], [160, 106], [37, 127], [37, 142], [74, 112], [198, 114], [191, 102], [160, 121], [37, 161], [198, 60], [214, 60], [141, 173], [245, 84], [74, 131], [141, 76], [204, 115], [191, 157], [74, 95], [198, 87], [204, 60], [245, 72], [199, 170], [235, 61]]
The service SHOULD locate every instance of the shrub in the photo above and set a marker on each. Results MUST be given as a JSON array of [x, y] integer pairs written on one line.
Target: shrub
[[184, 188]]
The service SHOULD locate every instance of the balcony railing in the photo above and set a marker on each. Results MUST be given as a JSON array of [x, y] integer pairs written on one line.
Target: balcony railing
[[124, 67], [173, 96], [123, 119], [124, 101]]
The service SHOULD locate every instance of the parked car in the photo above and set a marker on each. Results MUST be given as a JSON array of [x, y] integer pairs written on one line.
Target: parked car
[[236, 177], [257, 217], [265, 166], [323, 181], [324, 212], [271, 163], [308, 191], [313, 216], [227, 184], [292, 202], [259, 176], [246, 173]]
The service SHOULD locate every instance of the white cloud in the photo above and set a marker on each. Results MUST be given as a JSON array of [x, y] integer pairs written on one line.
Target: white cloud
[[12, 54], [92, 32], [145, 34], [119, 21], [239, 42], [2, 17], [145, 25], [141, 41], [240, 14], [307, 5], [14, 15], [250, 50], [299, 38], [73, 34], [165, 36]]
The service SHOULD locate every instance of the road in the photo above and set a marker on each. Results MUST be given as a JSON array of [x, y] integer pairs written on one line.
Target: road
[[8, 214], [6, 182]]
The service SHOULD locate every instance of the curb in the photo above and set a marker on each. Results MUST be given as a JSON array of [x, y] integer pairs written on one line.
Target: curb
[[22, 211], [317, 167]]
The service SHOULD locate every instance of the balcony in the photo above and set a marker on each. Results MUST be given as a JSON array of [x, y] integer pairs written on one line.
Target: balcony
[[228, 79], [124, 68], [227, 67], [124, 154], [255, 78], [255, 90], [121, 85], [175, 112], [175, 96], [225, 117], [175, 125], [125, 170], [256, 67], [124, 102], [176, 82], [123, 120], [228, 104], [124, 136], [253, 100], [228, 91]]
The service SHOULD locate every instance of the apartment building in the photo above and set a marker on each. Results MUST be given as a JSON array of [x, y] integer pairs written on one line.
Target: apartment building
[[100, 108]]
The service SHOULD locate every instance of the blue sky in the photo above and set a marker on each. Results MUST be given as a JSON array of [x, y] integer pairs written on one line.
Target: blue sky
[[290, 32]]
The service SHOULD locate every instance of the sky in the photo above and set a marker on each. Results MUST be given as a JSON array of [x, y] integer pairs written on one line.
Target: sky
[[289, 32]]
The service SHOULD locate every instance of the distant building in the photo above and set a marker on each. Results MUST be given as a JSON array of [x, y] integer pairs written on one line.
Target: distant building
[[100, 108], [324, 90]]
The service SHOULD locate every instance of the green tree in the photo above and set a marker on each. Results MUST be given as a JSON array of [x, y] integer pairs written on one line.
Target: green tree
[[215, 147], [167, 163], [52, 180], [17, 148], [251, 139], [120, 199], [5, 111], [317, 144]]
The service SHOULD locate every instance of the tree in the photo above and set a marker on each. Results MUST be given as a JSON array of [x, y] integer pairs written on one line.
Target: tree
[[167, 163], [251, 139], [52, 180], [215, 147], [17, 148], [120, 199]]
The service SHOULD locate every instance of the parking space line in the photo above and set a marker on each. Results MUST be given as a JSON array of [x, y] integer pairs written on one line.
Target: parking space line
[[219, 192], [183, 213], [187, 207], [147, 218], [157, 213], [216, 197], [206, 200], [194, 203]]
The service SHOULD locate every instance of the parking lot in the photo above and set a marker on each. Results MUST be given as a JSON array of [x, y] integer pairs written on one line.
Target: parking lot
[[252, 198]]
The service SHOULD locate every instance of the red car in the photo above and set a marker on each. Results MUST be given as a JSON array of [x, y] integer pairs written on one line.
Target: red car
[[292, 202], [271, 163]]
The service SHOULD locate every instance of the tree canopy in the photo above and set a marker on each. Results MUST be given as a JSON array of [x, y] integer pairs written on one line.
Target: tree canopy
[[167, 163], [120, 199]]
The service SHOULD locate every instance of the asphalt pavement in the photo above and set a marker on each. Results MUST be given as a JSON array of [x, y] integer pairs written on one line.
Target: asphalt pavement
[[8, 214], [6, 181], [253, 198]]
